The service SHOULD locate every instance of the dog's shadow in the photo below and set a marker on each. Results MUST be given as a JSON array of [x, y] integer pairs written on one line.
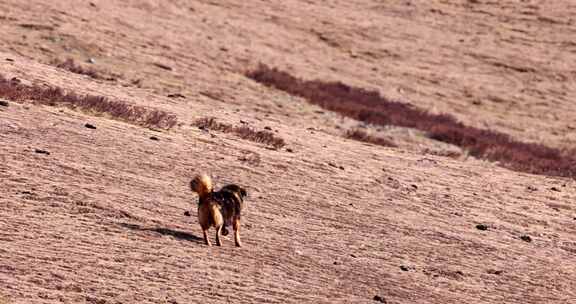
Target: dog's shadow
[[164, 231]]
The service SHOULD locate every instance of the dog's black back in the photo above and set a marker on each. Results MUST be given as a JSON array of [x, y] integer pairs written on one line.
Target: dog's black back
[[231, 199]]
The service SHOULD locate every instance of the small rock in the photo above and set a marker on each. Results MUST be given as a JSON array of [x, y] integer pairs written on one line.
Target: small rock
[[186, 213], [341, 168], [532, 188], [555, 189], [267, 128], [289, 150], [404, 268], [379, 299], [414, 186], [163, 66], [91, 60], [176, 95], [39, 151], [496, 272], [336, 263], [482, 227], [154, 138], [526, 238], [353, 255], [243, 122], [4, 103], [90, 126]]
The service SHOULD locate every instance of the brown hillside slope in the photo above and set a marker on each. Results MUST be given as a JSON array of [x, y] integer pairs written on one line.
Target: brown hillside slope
[[99, 219]]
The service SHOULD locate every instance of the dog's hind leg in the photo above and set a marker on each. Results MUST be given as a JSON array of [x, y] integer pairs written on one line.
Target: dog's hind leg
[[236, 226], [206, 239], [218, 233]]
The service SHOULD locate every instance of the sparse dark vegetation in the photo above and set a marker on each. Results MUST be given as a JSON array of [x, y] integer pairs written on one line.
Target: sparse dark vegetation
[[361, 135], [71, 66], [54, 96], [369, 106], [244, 132]]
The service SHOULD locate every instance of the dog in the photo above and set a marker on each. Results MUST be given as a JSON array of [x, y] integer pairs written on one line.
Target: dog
[[218, 209]]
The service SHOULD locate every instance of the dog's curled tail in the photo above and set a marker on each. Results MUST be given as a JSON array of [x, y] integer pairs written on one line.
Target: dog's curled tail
[[201, 184]]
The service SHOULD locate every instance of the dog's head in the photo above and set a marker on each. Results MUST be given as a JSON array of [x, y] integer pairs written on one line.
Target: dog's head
[[241, 192], [201, 184]]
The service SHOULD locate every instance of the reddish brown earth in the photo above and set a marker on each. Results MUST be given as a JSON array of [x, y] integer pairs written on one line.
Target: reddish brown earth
[[100, 218]]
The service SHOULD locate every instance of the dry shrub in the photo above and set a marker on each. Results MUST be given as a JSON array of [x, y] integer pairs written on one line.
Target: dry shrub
[[244, 132], [371, 107], [54, 96], [71, 66], [361, 135]]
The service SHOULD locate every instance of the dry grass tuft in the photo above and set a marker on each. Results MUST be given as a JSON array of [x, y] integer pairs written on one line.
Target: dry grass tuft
[[71, 66], [244, 132], [361, 135], [371, 107], [16, 91]]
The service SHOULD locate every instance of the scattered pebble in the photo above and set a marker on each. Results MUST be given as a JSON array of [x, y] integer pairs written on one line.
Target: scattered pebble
[[163, 66], [526, 238], [154, 138], [176, 95], [482, 227], [496, 272], [9, 59], [404, 268], [39, 151], [90, 126], [414, 186], [555, 189], [4, 103], [91, 60], [532, 188], [186, 213], [267, 128], [289, 150], [379, 299]]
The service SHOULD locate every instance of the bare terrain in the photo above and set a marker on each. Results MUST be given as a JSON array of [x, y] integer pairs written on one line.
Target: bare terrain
[[92, 207]]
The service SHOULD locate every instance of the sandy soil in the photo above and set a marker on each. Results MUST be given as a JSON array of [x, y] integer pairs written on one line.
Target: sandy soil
[[100, 218]]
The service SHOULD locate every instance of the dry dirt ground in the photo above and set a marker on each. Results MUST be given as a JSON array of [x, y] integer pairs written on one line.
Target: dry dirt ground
[[100, 218]]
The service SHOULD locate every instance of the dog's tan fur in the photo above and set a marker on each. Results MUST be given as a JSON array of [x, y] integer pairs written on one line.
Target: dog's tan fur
[[218, 209]]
